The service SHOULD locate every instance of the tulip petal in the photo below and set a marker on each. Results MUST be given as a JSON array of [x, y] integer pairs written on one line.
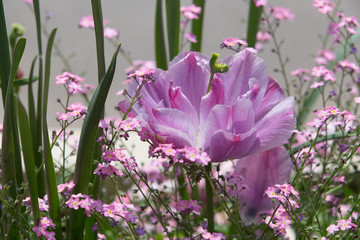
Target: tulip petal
[[214, 97], [273, 95], [275, 127], [243, 67], [168, 122], [179, 101], [260, 171], [191, 77]]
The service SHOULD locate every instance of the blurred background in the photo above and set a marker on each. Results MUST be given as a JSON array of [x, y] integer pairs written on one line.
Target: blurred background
[[135, 21]]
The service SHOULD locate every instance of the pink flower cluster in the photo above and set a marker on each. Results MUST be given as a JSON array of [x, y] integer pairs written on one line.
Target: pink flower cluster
[[324, 6], [129, 124], [281, 14], [185, 207], [116, 210], [341, 225], [140, 65], [350, 24], [322, 71], [186, 154], [233, 44], [324, 56], [88, 22], [109, 156], [262, 38], [280, 222], [42, 229], [75, 110], [72, 83], [301, 73], [191, 12], [43, 203], [259, 3], [283, 193], [65, 188]]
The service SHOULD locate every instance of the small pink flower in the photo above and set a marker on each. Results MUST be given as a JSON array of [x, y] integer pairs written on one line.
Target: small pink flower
[[46, 222], [317, 84], [281, 13], [332, 229], [28, 1], [194, 206], [259, 3], [351, 66], [234, 42], [73, 202], [345, 224], [111, 33], [323, 6], [191, 37], [39, 230], [191, 12], [130, 163]]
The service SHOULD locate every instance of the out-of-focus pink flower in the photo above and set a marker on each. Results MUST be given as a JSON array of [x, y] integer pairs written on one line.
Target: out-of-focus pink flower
[[244, 112], [259, 3], [233, 42], [324, 6], [332, 229], [28, 1], [191, 12], [190, 37], [88, 22], [111, 33], [281, 13], [260, 172]]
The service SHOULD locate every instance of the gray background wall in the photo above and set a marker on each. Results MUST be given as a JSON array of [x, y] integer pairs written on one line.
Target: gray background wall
[[135, 20]]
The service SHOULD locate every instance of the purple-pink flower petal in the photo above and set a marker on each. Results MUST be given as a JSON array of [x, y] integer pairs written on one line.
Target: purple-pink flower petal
[[260, 171]]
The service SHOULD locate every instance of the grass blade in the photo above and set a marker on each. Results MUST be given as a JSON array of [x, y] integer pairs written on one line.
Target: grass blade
[[52, 192], [197, 26], [173, 26], [29, 159], [160, 49], [253, 23], [31, 104], [99, 37], [10, 146], [4, 53], [84, 160], [38, 143]]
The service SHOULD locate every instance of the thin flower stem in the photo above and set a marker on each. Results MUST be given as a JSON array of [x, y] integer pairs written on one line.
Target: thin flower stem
[[317, 140], [311, 204], [227, 211], [278, 53], [148, 201], [209, 201], [297, 221], [119, 197]]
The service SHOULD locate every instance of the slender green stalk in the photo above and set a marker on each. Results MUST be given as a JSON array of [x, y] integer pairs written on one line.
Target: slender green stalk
[[83, 167], [99, 37], [51, 185], [253, 23], [31, 106], [173, 26], [29, 159], [4, 53], [38, 154], [197, 26], [209, 201], [10, 146], [160, 49]]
